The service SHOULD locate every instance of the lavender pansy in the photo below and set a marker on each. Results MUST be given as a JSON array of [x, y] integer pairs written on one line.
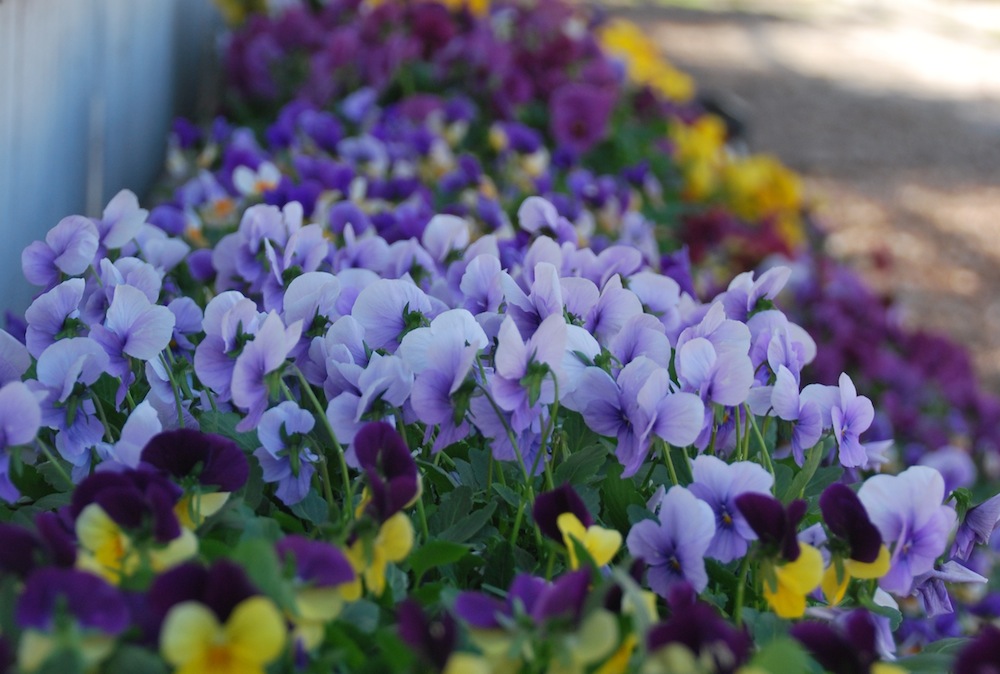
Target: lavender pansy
[[674, 546], [383, 385], [69, 248], [259, 364], [14, 358], [718, 484], [20, 419], [977, 527], [285, 455], [55, 315], [527, 373], [121, 221], [851, 417], [908, 511], [388, 309], [930, 587]]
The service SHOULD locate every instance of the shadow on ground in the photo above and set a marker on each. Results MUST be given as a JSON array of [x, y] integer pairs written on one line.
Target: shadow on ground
[[894, 122]]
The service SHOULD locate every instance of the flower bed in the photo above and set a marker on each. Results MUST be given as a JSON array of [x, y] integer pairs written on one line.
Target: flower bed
[[416, 379]]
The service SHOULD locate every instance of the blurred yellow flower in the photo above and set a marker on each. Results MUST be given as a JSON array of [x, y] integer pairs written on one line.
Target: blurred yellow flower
[[601, 544], [371, 557], [193, 640]]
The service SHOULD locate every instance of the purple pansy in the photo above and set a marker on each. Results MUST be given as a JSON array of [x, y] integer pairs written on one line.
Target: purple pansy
[[89, 600], [316, 563], [258, 363], [976, 528], [845, 649], [69, 248], [388, 309], [674, 547], [54, 315], [432, 637], [698, 627], [526, 373], [776, 525], [20, 419], [847, 519], [718, 484], [209, 459], [285, 456], [550, 505], [539, 599], [851, 417], [908, 511], [393, 478]]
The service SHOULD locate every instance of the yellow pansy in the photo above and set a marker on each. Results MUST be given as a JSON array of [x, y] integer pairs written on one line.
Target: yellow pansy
[[594, 641], [105, 549], [35, 647], [834, 591], [601, 544], [314, 608], [793, 581], [370, 558], [193, 640], [466, 663]]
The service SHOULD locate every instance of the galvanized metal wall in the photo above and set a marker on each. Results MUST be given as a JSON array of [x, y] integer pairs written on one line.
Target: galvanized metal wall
[[87, 92]]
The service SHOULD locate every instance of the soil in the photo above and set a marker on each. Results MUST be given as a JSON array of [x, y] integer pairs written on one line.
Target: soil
[[890, 110]]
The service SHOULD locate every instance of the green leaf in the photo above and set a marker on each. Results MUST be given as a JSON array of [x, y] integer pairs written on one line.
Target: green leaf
[[813, 458], [618, 494], [435, 553], [823, 478], [507, 494], [224, 423], [637, 514], [130, 659], [313, 508], [893, 614], [454, 506], [581, 466], [784, 654], [764, 626], [503, 565], [362, 614], [261, 563], [62, 661], [468, 526]]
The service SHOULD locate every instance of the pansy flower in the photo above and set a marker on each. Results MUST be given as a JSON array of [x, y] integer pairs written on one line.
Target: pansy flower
[[562, 516], [20, 419], [210, 467], [319, 570], [673, 546], [371, 554], [856, 546], [285, 455], [848, 648], [791, 570], [214, 623], [695, 633], [125, 522], [66, 609], [907, 509]]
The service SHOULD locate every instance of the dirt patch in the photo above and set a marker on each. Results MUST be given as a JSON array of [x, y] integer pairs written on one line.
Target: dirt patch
[[891, 113]]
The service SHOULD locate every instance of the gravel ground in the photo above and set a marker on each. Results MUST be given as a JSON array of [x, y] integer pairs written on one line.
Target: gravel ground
[[891, 112]]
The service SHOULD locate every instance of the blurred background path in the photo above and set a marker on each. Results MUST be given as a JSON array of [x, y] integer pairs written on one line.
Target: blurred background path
[[890, 110]]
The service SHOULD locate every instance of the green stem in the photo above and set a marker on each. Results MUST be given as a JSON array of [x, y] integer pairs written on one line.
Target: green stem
[[47, 451], [423, 518], [324, 468], [741, 588], [665, 449], [338, 450], [739, 438], [175, 388], [765, 455], [104, 418]]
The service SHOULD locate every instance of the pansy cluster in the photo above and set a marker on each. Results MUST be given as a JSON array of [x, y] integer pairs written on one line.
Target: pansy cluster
[[403, 381]]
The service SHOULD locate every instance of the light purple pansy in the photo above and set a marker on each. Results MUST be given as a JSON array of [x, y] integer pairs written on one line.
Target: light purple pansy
[[263, 355], [55, 315], [850, 418], [14, 358], [722, 377], [388, 309], [283, 456], [908, 511], [20, 419], [674, 545], [69, 248], [526, 372], [718, 483]]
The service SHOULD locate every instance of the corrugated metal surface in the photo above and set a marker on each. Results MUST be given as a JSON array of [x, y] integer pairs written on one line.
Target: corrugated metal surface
[[87, 92]]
